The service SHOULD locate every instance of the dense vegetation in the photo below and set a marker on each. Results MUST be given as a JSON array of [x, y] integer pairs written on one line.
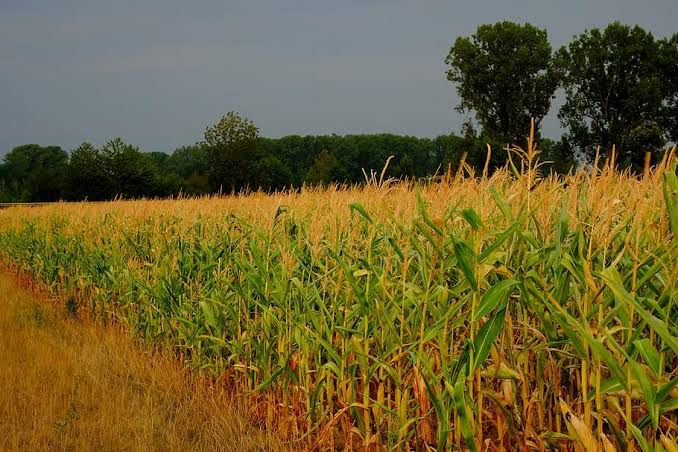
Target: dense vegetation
[[35, 173], [621, 92], [476, 311]]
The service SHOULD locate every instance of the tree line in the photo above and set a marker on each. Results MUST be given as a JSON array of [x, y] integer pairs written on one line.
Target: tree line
[[621, 92], [32, 173]]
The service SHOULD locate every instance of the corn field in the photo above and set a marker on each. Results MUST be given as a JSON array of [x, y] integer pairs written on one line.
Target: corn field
[[515, 311]]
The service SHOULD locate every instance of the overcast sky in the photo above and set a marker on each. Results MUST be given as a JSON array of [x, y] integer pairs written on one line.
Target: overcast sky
[[157, 72]]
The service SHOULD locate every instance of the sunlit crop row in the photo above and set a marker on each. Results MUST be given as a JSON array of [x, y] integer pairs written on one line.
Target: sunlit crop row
[[465, 311]]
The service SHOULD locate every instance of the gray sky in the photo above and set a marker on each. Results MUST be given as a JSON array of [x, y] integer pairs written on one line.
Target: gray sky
[[158, 72]]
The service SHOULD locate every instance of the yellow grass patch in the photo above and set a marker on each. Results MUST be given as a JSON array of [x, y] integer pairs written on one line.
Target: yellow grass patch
[[69, 385]]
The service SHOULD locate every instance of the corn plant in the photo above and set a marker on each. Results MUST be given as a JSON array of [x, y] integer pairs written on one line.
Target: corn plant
[[469, 312]]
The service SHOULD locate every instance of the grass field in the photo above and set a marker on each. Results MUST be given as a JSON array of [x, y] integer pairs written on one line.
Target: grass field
[[68, 385], [471, 311]]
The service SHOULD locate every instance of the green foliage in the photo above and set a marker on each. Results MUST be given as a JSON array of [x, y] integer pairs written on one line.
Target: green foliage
[[160, 159], [229, 145], [558, 156], [271, 174], [621, 91], [186, 161], [669, 69], [324, 169], [35, 173], [504, 74], [189, 165], [119, 169], [87, 177], [131, 173]]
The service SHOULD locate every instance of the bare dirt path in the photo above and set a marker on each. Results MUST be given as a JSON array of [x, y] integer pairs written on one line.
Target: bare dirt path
[[68, 385]]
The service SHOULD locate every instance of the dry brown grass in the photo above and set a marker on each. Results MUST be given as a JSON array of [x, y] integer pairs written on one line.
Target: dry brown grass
[[69, 385]]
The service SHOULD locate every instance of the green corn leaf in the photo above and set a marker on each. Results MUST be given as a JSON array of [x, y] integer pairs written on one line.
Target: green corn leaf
[[666, 389], [556, 438], [649, 392], [485, 338], [663, 408], [359, 293], [501, 238], [649, 354], [361, 210], [427, 233], [497, 294], [472, 218], [269, 381], [609, 385], [604, 354], [502, 204], [579, 333], [465, 258], [458, 366], [637, 434], [333, 354], [614, 282], [424, 214], [209, 314], [396, 248], [464, 413], [438, 404], [671, 199], [563, 223]]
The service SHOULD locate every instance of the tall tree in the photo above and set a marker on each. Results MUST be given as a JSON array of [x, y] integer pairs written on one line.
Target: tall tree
[[36, 173], [132, 173], [617, 92], [159, 158], [187, 161], [504, 74], [323, 170], [229, 147], [87, 176], [6, 194], [189, 165], [669, 67], [270, 174]]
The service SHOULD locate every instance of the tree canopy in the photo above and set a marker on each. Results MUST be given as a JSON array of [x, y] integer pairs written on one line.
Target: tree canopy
[[504, 74], [119, 169], [228, 147], [34, 172], [620, 91]]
